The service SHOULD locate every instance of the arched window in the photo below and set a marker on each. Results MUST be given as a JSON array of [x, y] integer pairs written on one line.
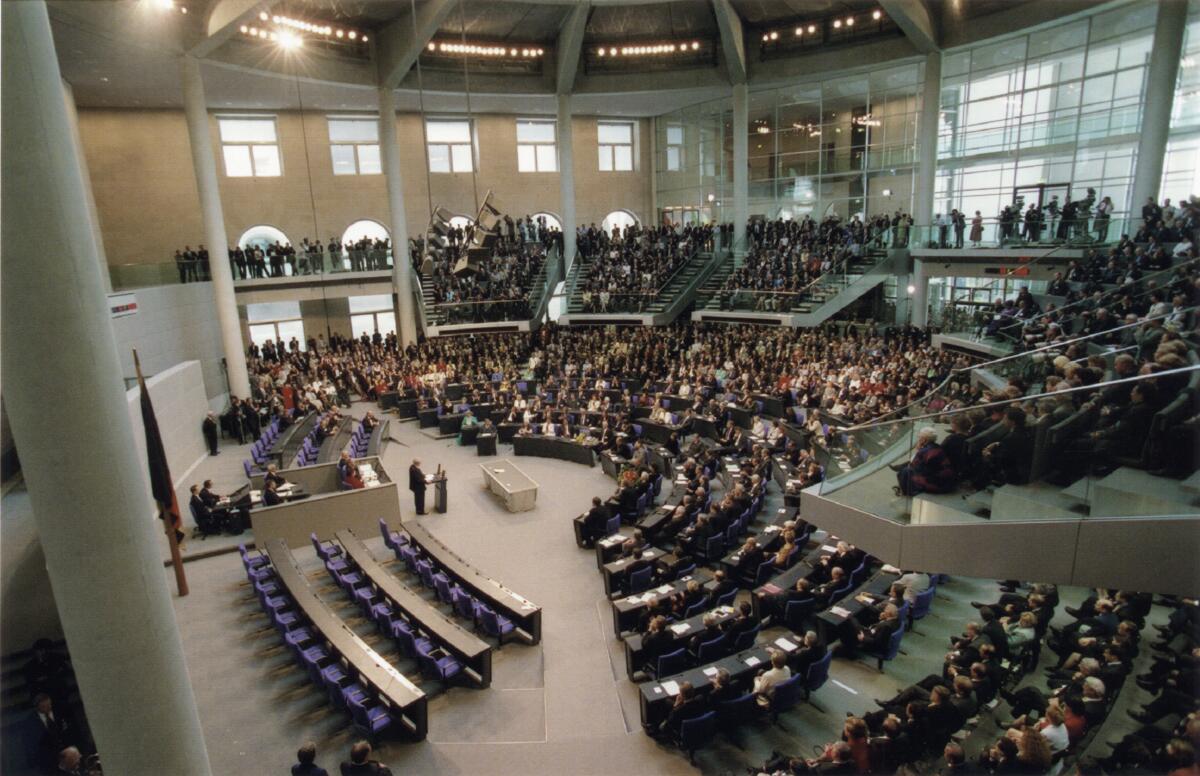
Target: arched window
[[552, 221], [619, 218], [461, 222], [366, 228], [262, 236]]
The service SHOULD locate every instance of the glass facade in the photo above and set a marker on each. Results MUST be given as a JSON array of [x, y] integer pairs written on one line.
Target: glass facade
[[1049, 113], [843, 145]]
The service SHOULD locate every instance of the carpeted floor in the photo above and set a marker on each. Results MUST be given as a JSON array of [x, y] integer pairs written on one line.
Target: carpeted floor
[[564, 706]]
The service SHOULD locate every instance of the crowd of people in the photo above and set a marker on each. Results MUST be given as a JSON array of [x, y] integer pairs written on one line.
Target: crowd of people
[[627, 268]]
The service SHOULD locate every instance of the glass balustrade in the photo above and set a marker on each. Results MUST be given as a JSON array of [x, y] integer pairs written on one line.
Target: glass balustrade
[[1084, 231]]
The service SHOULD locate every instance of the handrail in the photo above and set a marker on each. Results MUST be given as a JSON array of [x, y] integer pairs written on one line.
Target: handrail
[[1006, 402], [1067, 343], [1118, 289]]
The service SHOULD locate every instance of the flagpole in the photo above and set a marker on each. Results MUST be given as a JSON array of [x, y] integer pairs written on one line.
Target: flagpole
[[163, 514]]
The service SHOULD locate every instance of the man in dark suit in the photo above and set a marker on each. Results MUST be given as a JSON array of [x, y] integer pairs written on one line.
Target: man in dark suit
[[360, 764], [49, 733], [595, 522], [416, 483], [270, 496], [209, 428], [306, 764], [874, 638], [812, 650]]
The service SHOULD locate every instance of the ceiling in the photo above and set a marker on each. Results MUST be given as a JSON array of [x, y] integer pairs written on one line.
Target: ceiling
[[126, 53]]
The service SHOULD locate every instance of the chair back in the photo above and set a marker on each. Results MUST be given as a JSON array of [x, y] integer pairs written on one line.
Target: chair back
[[386, 534], [712, 548], [639, 580], [923, 603], [787, 694], [698, 731], [441, 583], [745, 639], [765, 570], [613, 525], [818, 672], [463, 604], [694, 609], [737, 711], [711, 650], [728, 598], [670, 663]]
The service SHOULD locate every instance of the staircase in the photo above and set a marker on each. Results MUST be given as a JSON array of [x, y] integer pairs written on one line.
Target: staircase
[[832, 292], [663, 307]]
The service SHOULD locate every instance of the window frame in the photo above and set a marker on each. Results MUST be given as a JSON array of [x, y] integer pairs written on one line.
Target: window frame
[[356, 146], [450, 147], [249, 147], [537, 145], [609, 150]]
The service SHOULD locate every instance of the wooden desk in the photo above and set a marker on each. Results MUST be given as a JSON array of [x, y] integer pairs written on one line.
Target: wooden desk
[[525, 615], [402, 697], [474, 653], [515, 488]]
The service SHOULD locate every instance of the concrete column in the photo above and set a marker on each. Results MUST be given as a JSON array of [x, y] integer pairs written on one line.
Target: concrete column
[[205, 164], [927, 142], [1161, 77], [406, 313], [73, 117], [88, 488], [741, 164], [566, 179]]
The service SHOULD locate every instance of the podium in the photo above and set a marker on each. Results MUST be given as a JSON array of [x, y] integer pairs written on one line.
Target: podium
[[439, 494], [485, 444]]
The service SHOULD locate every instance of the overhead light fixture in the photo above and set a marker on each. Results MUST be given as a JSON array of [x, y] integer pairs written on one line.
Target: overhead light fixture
[[711, 197], [290, 40], [887, 192], [245, 29], [262, 15], [877, 14], [812, 28], [799, 31], [774, 35], [695, 45], [837, 24], [849, 21]]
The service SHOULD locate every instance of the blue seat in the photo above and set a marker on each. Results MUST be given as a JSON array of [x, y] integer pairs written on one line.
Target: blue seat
[[796, 614], [745, 639], [786, 695], [766, 570], [817, 674], [425, 571], [696, 732], [728, 598], [441, 584], [324, 552], [252, 561], [465, 604], [437, 664], [613, 525], [711, 650], [696, 608], [671, 663], [731, 714], [685, 570], [495, 625], [923, 604], [892, 648], [365, 597], [639, 580], [409, 555], [299, 638], [713, 547], [410, 642], [371, 720]]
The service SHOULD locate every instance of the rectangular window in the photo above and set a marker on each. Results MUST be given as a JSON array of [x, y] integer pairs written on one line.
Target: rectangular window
[[536, 145], [354, 145], [451, 148], [674, 147], [615, 140], [275, 321], [250, 147]]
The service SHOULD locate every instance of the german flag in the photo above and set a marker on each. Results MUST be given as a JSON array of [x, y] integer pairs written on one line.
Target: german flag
[[161, 484]]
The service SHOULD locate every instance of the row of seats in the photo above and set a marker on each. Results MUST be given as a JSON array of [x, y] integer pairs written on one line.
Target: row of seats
[[435, 662], [323, 667], [481, 616], [258, 451]]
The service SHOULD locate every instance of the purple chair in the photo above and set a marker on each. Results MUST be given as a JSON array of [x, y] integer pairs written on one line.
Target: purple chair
[[372, 720], [466, 606], [410, 642], [393, 539], [436, 663], [495, 625]]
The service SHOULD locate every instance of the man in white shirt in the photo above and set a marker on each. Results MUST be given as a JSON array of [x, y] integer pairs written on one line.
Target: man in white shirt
[[914, 582], [778, 673]]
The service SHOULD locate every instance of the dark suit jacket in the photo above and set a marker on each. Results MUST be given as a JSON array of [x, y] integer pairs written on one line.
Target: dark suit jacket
[[310, 769], [416, 480], [370, 768], [271, 498], [596, 519], [877, 636]]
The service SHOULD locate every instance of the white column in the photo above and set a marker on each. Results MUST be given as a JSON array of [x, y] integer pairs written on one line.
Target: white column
[[1161, 77], [923, 190], [73, 117], [741, 164], [65, 397], [205, 164], [406, 315], [566, 180]]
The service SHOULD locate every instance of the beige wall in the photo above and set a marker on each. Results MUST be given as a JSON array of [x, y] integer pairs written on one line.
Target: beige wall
[[141, 169]]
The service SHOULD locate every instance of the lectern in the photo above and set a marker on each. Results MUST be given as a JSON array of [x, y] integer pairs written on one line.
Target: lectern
[[439, 493]]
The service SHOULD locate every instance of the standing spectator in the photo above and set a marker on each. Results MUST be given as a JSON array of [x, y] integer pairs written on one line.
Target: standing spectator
[[209, 427], [306, 764], [361, 765]]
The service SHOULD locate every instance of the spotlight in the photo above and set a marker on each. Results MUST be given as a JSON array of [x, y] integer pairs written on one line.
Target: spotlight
[[774, 35], [183, 10], [164, 5], [289, 40], [245, 29], [601, 52], [541, 52], [911, 289], [849, 21], [877, 15], [766, 37], [262, 15], [695, 45], [837, 24], [812, 28], [799, 31], [364, 39], [339, 34], [353, 35], [612, 51]]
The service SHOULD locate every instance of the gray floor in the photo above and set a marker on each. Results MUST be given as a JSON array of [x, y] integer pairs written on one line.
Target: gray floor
[[564, 706]]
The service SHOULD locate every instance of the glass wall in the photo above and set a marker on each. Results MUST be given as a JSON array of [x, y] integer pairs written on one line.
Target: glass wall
[[1181, 166], [844, 145], [1050, 113]]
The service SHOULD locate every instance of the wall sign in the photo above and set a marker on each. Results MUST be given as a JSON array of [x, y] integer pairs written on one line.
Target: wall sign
[[121, 305]]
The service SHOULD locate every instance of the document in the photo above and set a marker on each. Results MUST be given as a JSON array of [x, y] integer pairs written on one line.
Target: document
[[828, 548], [752, 661], [840, 612], [681, 627], [710, 671], [784, 644], [671, 687]]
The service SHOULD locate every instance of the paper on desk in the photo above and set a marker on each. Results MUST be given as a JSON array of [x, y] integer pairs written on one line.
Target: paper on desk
[[828, 548], [664, 589], [710, 671], [840, 612], [647, 553], [671, 687], [681, 627], [752, 661], [784, 644]]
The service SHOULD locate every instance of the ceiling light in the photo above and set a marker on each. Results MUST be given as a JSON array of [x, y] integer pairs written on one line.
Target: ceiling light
[[245, 29], [612, 51], [766, 37], [353, 34], [432, 45], [837, 24], [849, 21], [540, 52], [289, 40], [263, 15], [711, 197], [274, 36], [877, 15], [339, 33], [812, 28], [274, 19], [601, 52], [183, 9], [887, 192], [695, 45], [364, 39], [799, 30], [774, 35]]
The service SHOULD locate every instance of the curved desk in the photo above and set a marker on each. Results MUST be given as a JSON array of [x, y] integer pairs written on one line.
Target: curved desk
[[289, 442], [475, 654], [379, 436], [334, 444], [393, 688], [554, 447], [523, 612]]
